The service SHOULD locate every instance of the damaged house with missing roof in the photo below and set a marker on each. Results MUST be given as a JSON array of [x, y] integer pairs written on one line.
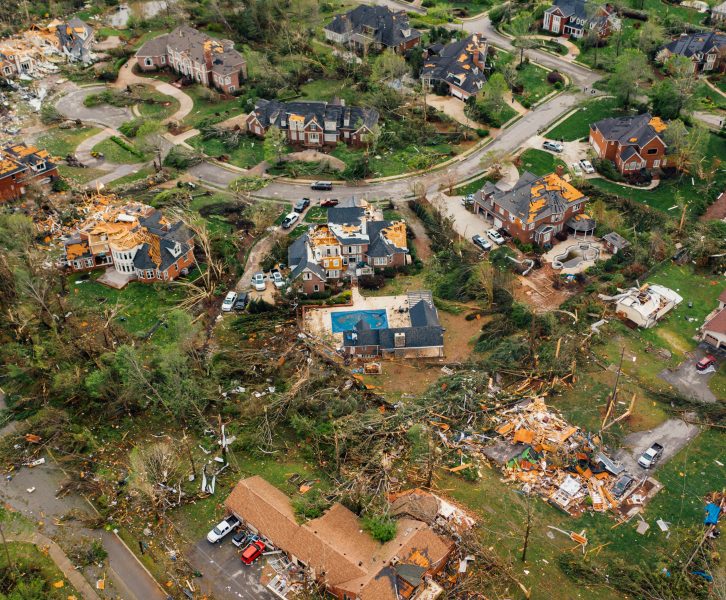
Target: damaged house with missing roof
[[460, 66], [536, 209], [373, 28], [132, 241], [646, 305], [211, 62], [335, 551], [313, 124], [355, 241], [422, 338], [21, 165]]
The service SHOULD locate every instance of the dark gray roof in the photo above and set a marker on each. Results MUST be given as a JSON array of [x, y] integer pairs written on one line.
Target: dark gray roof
[[695, 44], [388, 28], [629, 152], [416, 337], [351, 215], [297, 251], [423, 314], [274, 112], [449, 67], [314, 267], [142, 258], [579, 9], [631, 130], [617, 240], [378, 245], [154, 47]]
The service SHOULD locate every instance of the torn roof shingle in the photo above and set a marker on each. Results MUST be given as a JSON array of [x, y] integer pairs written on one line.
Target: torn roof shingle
[[459, 63], [385, 26], [274, 112], [635, 130]]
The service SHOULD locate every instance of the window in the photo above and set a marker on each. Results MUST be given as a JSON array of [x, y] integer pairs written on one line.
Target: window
[[316, 288], [314, 137], [652, 151], [7, 70], [148, 62], [307, 276], [163, 60]]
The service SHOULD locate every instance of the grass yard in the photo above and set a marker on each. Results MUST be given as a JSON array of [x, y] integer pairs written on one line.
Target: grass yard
[[155, 105], [61, 142], [708, 99], [208, 107], [249, 152], [577, 125], [27, 558], [144, 304], [327, 89], [142, 173], [387, 163], [80, 175], [316, 214], [538, 162], [114, 153], [534, 81]]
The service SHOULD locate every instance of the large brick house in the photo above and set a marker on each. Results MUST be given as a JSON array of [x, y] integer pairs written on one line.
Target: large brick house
[[211, 62], [353, 236], [707, 51], [460, 65], [574, 18], [631, 143], [335, 550], [535, 209], [135, 240], [373, 27], [21, 165], [313, 124]]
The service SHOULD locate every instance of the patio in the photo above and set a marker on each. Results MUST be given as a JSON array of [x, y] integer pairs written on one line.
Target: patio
[[575, 255]]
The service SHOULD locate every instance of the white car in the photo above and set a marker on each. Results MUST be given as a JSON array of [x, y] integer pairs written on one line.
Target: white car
[[576, 169], [222, 529], [495, 236], [278, 279], [587, 166], [258, 281], [229, 301], [290, 220]]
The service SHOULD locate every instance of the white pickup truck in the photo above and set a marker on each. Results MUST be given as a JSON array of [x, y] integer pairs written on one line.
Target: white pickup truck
[[650, 456], [222, 529]]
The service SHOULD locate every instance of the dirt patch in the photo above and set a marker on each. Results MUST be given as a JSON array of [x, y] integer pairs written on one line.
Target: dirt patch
[[717, 210], [536, 290], [460, 335]]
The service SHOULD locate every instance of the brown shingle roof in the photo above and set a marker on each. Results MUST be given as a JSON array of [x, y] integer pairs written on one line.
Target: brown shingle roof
[[717, 323]]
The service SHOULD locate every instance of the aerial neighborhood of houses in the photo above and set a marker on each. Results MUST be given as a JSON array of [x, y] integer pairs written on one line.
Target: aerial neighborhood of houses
[[393, 300]]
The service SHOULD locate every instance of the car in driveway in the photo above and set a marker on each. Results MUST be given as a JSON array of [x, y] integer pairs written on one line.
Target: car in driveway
[[329, 202], [495, 236], [706, 362], [241, 303], [482, 242], [651, 456], [553, 146], [301, 205], [229, 301], [252, 552], [277, 279], [290, 220], [587, 166], [576, 169], [223, 528], [258, 282]]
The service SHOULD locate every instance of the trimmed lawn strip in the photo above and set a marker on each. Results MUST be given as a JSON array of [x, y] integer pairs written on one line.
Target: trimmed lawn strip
[[206, 109], [157, 106], [80, 175], [142, 173], [114, 153], [539, 162], [577, 125], [61, 142]]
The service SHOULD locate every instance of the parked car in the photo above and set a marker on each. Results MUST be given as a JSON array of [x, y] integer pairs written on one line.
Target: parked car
[[244, 538], [322, 185], [329, 202], [482, 242], [229, 301], [587, 166], [277, 279], [222, 529], [258, 281], [252, 552], [495, 236], [650, 456], [622, 484], [468, 200], [576, 169], [553, 146], [301, 205], [290, 220], [241, 302], [706, 362]]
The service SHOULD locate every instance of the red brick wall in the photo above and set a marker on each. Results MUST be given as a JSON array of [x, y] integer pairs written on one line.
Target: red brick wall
[[157, 64]]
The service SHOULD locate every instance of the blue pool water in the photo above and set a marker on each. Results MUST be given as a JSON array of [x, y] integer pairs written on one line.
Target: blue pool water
[[346, 321]]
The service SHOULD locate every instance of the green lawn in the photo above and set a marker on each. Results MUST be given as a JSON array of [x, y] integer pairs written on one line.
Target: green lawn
[[327, 89], [61, 142], [577, 125], [142, 173], [80, 175], [28, 558], [536, 86], [387, 163], [114, 153], [155, 105], [708, 99], [210, 108], [538, 162], [143, 304], [249, 153], [316, 214]]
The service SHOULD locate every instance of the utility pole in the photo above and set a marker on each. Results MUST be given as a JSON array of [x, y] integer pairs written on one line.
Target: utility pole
[[527, 529], [611, 401]]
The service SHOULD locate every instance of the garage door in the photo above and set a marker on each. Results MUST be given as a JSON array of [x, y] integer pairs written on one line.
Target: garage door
[[709, 339], [457, 93]]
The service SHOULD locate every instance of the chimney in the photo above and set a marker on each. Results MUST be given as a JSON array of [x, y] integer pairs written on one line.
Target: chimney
[[560, 170], [399, 340], [208, 54]]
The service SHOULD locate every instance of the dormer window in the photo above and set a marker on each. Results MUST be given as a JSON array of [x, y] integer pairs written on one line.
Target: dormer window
[[175, 250]]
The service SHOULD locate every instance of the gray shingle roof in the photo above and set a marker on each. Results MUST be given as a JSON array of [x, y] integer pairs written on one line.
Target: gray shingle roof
[[271, 112], [632, 130], [314, 267], [297, 252], [423, 314], [388, 28], [696, 43], [617, 240], [448, 65]]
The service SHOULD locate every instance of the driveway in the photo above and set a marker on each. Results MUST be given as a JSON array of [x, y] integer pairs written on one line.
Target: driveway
[[691, 382], [223, 574], [673, 435], [71, 106], [466, 223]]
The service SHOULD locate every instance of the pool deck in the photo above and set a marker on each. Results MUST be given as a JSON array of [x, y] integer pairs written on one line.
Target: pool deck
[[319, 323], [562, 247]]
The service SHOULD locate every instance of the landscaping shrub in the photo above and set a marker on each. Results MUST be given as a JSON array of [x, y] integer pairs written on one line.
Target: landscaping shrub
[[607, 169], [371, 282], [126, 146], [60, 185], [131, 128], [259, 306], [554, 77], [482, 133]]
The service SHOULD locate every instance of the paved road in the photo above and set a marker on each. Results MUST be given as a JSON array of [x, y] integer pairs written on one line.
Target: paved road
[[71, 106], [691, 382]]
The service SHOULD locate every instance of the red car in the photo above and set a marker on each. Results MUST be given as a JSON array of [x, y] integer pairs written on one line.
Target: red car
[[706, 362], [329, 203], [252, 552]]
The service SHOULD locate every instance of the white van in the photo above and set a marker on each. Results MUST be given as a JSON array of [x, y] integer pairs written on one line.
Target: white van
[[229, 301]]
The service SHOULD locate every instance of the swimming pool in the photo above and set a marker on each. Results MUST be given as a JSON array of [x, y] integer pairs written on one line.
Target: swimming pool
[[346, 321]]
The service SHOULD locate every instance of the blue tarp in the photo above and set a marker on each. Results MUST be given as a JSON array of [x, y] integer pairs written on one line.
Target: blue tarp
[[712, 512]]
